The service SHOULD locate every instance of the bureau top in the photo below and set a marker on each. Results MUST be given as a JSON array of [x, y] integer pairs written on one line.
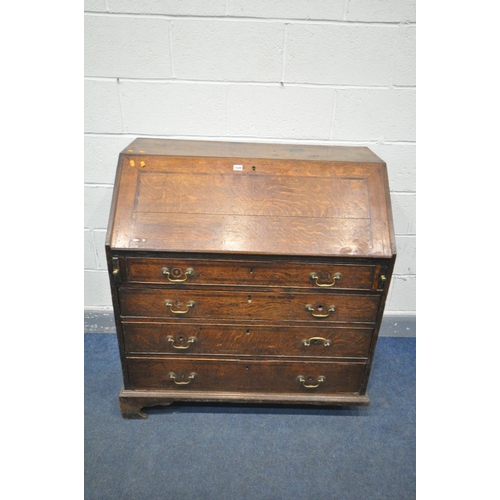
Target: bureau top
[[248, 198], [214, 149]]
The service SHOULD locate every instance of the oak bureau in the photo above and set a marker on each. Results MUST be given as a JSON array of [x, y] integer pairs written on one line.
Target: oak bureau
[[245, 272]]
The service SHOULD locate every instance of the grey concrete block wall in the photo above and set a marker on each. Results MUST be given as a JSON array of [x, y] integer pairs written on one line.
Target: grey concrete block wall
[[311, 72]]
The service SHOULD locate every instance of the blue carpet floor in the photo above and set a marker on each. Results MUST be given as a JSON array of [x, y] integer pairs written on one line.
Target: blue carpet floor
[[233, 452]]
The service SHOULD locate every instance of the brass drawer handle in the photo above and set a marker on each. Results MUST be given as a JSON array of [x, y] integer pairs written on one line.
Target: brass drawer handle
[[169, 303], [310, 307], [302, 380], [191, 340], [173, 376], [177, 272], [315, 277], [307, 342]]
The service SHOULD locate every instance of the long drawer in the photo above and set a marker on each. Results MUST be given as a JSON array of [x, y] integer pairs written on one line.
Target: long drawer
[[250, 273], [198, 304], [187, 339], [299, 377]]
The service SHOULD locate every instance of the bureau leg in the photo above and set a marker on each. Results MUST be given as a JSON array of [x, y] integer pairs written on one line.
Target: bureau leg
[[131, 406]]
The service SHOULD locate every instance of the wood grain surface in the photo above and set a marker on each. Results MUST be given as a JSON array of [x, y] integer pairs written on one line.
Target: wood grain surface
[[187, 339], [243, 306], [244, 375], [252, 205], [249, 273]]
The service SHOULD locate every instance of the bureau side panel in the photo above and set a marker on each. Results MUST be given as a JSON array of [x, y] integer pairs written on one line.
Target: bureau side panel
[[388, 269]]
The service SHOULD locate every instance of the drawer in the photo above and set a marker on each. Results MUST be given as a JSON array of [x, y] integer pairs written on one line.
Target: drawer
[[217, 305], [185, 339], [250, 273], [234, 375]]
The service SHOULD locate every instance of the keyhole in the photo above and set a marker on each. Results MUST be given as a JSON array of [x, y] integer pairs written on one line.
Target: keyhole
[[181, 338], [248, 332], [249, 299], [320, 308], [253, 168], [251, 270], [247, 367]]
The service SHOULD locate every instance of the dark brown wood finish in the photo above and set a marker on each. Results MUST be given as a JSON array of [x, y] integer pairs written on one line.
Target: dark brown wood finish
[[156, 373], [244, 306], [248, 273], [263, 269], [194, 339]]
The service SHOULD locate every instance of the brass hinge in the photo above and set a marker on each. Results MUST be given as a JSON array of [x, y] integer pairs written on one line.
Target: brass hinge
[[382, 279], [115, 268]]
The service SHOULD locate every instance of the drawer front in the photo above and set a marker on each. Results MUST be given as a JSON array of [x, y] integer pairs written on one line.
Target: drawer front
[[148, 373], [248, 273], [196, 304], [184, 339]]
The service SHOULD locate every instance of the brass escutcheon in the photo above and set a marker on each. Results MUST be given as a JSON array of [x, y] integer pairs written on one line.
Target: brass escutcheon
[[167, 272], [310, 308]]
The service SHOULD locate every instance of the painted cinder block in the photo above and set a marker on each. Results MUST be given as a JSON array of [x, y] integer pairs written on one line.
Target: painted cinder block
[[99, 237], [340, 54], [89, 256], [102, 113], [287, 9], [401, 164], [101, 157], [406, 258], [405, 61], [127, 47], [169, 7], [381, 10], [284, 112], [227, 50], [94, 6], [402, 296], [376, 51], [174, 108], [97, 202], [404, 213], [375, 114], [97, 292]]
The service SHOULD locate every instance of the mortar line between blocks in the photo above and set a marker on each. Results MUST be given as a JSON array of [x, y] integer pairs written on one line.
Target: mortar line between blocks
[[227, 110], [334, 110], [121, 103], [346, 10], [244, 82], [94, 249], [230, 19], [285, 33], [171, 41], [98, 184], [242, 138]]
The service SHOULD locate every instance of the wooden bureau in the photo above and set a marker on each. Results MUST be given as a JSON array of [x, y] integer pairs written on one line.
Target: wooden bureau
[[248, 272]]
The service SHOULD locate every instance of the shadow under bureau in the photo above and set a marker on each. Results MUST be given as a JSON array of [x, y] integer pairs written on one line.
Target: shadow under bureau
[[248, 272]]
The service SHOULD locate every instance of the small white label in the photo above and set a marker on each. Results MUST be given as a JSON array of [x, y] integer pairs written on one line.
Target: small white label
[[238, 167]]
